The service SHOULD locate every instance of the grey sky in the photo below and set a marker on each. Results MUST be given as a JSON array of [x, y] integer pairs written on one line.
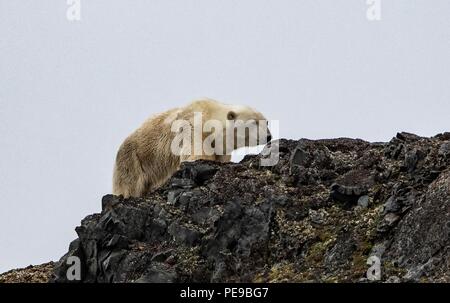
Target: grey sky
[[70, 92]]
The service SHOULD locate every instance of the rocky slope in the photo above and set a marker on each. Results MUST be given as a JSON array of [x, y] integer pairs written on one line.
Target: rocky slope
[[317, 215], [30, 274]]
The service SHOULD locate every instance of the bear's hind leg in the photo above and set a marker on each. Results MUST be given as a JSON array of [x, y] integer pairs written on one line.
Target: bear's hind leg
[[129, 178]]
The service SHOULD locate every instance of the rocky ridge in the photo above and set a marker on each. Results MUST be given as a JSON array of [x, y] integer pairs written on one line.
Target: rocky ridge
[[318, 215]]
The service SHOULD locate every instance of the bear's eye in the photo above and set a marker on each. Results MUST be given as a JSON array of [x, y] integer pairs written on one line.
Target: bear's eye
[[231, 116]]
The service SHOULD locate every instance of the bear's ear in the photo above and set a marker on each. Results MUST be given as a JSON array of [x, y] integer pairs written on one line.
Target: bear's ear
[[231, 115]]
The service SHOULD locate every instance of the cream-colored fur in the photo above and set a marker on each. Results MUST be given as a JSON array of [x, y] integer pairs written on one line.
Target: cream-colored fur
[[145, 160]]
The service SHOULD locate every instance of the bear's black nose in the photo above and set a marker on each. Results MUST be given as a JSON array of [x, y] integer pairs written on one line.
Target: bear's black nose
[[269, 137]]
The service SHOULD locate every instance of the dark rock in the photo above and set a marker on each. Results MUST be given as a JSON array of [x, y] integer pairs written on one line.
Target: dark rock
[[205, 215], [404, 136], [347, 194], [183, 234], [363, 201], [316, 215], [173, 195], [411, 160], [117, 241], [443, 136], [392, 205], [182, 183], [340, 254], [162, 255], [198, 172], [109, 201], [158, 273], [444, 149], [155, 229], [388, 222], [299, 157], [423, 235]]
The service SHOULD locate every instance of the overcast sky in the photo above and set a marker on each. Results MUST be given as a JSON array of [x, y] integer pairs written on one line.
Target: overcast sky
[[70, 92]]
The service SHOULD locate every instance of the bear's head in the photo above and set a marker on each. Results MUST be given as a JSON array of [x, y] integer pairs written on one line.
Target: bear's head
[[240, 125]]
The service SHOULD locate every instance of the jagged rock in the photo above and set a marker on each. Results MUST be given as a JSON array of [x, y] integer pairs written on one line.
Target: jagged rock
[[199, 173], [317, 215], [363, 201], [444, 150], [422, 242]]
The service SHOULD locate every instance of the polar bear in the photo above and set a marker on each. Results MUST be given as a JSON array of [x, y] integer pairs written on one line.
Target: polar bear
[[151, 154]]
